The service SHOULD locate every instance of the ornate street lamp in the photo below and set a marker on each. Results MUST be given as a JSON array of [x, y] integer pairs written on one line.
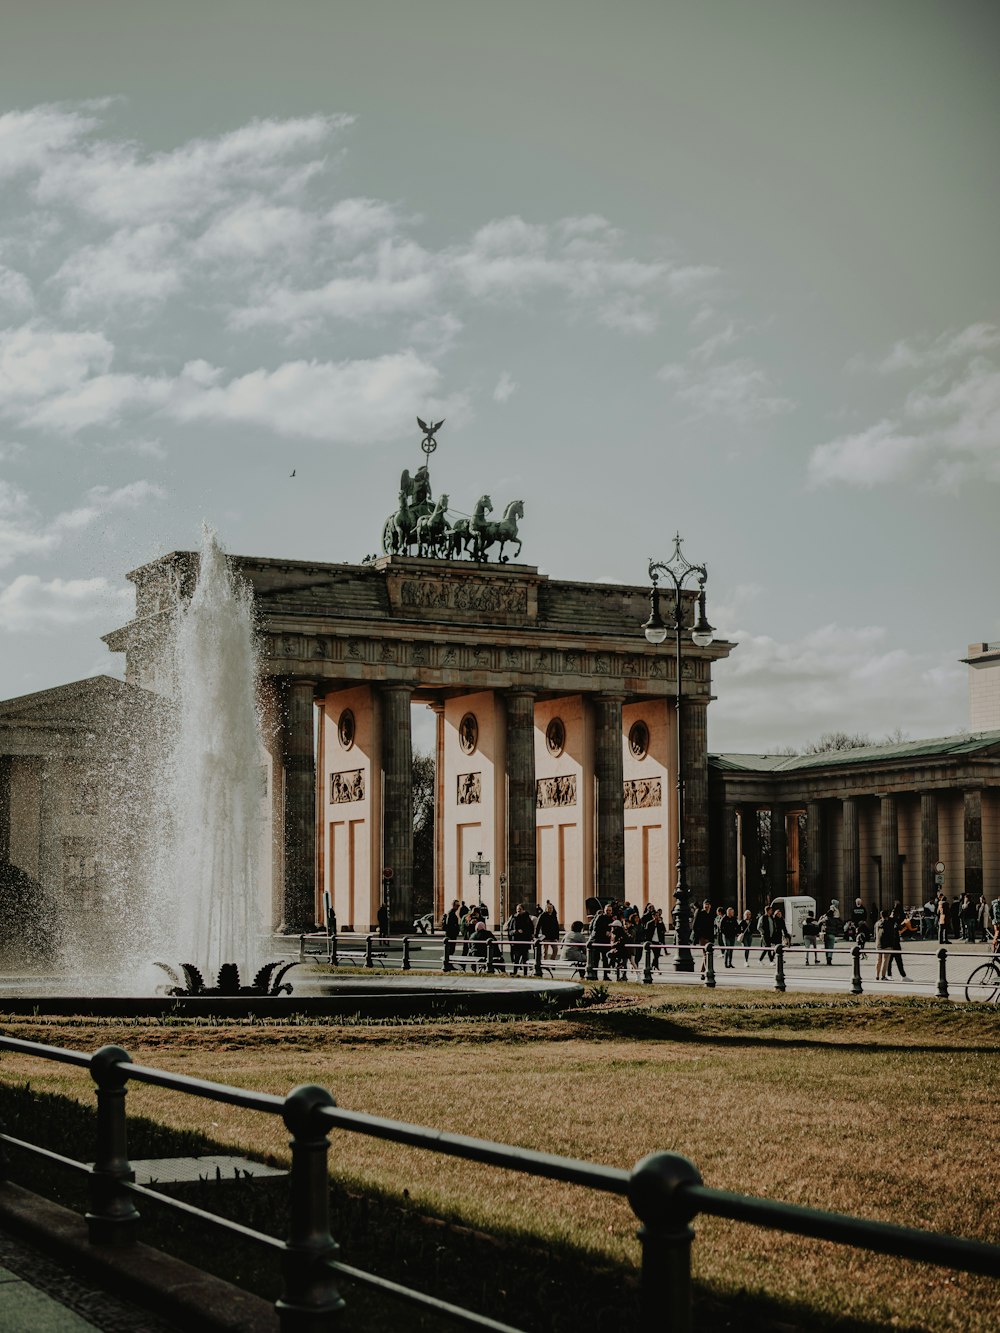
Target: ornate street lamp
[[656, 630]]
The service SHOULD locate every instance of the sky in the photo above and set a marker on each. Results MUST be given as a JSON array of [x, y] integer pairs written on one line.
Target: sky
[[713, 267]]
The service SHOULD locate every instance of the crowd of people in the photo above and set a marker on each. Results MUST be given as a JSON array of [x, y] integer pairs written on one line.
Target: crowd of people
[[619, 932]]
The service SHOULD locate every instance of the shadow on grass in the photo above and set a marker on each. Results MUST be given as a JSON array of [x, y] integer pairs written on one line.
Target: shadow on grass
[[656, 1026], [525, 1280]]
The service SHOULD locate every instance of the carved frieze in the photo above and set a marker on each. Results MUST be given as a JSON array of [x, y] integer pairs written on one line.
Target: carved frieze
[[347, 787], [555, 791], [429, 594], [470, 788], [642, 793]]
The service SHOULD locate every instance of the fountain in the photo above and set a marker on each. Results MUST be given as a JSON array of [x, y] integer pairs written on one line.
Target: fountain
[[183, 835]]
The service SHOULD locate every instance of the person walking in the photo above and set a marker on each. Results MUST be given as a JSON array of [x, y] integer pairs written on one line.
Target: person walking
[[829, 924], [745, 935], [765, 926], [703, 930], [883, 940], [943, 918], [600, 937], [547, 930], [810, 937], [728, 930], [656, 935], [521, 935]]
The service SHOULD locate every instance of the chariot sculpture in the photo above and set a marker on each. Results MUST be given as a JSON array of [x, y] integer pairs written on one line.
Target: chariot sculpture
[[422, 527]]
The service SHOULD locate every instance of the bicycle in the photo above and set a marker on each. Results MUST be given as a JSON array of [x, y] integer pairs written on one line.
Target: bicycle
[[983, 984]]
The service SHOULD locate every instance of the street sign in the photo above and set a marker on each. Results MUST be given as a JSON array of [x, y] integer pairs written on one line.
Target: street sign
[[479, 867], [387, 873], [939, 868], [939, 878]]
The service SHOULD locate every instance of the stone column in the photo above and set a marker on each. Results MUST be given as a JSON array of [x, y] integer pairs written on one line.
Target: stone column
[[851, 847], [973, 835], [610, 868], [892, 888], [928, 844], [694, 744], [815, 886], [732, 887], [777, 870], [397, 800], [521, 853], [298, 729], [750, 830], [440, 906]]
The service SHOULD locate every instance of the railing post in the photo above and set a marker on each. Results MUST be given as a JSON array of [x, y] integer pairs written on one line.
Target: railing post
[[647, 964], [302, 948], [591, 972], [369, 960], [446, 963], [310, 1300], [112, 1217], [656, 1192], [406, 953], [856, 973], [710, 966], [331, 930], [538, 957], [779, 968], [942, 986]]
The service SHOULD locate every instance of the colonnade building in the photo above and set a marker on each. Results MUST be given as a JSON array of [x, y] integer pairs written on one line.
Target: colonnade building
[[555, 745], [872, 823]]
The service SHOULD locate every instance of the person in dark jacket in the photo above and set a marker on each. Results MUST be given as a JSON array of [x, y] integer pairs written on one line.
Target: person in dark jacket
[[521, 936], [656, 934], [547, 930], [728, 930], [703, 930], [765, 925], [600, 936], [745, 935]]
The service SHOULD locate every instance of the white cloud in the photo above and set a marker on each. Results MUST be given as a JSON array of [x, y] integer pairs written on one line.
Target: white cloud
[[505, 386], [132, 266], [118, 184], [740, 390], [29, 139], [253, 228], [24, 533], [347, 402], [15, 291], [773, 693], [952, 345], [19, 531], [945, 432], [36, 362], [30, 604], [873, 456], [397, 277]]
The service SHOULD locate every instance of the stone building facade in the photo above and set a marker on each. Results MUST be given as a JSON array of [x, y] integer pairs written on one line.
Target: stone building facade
[[869, 823], [555, 739]]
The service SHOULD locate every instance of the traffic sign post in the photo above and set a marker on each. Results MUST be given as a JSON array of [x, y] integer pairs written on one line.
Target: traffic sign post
[[479, 868], [386, 881]]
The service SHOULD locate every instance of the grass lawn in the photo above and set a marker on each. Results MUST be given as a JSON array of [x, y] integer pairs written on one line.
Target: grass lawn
[[882, 1107]]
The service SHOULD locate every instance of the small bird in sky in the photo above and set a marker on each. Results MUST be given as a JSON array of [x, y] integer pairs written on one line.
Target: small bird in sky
[[292, 473]]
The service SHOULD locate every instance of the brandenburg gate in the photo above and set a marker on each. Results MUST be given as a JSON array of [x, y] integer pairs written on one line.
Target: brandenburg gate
[[555, 754]]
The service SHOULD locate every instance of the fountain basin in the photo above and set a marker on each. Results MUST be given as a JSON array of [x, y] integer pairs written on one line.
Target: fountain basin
[[323, 997]]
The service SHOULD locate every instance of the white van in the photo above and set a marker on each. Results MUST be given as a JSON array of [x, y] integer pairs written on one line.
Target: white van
[[795, 910]]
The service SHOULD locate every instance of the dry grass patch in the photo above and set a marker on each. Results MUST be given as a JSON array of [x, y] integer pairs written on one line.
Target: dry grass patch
[[885, 1108]]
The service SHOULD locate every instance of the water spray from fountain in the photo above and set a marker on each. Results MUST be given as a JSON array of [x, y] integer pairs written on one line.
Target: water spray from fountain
[[209, 901]]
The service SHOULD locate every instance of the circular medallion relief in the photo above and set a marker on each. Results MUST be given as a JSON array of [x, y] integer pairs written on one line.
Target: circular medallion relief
[[468, 733], [638, 740], [555, 737], [345, 729]]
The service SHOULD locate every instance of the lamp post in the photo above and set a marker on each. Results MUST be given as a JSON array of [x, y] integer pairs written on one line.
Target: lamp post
[[679, 571]]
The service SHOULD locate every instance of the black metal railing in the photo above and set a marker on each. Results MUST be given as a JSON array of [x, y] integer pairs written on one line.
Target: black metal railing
[[665, 1190], [585, 961]]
